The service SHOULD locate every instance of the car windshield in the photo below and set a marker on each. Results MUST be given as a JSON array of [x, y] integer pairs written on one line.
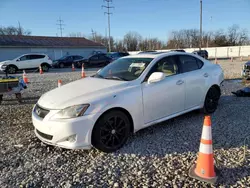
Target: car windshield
[[125, 69]]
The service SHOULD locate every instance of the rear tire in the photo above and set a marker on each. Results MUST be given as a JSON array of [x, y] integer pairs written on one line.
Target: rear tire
[[111, 131], [45, 67], [61, 65], [211, 100]]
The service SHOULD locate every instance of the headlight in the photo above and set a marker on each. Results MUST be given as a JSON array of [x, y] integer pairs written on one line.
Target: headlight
[[71, 112]]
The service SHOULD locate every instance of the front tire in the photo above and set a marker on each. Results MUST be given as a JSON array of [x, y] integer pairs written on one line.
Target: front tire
[[111, 131], [11, 69], [211, 100]]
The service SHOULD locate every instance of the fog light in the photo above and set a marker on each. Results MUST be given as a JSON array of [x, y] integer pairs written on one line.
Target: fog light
[[71, 138]]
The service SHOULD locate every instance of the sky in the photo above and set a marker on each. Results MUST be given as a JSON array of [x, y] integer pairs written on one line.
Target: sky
[[150, 18]]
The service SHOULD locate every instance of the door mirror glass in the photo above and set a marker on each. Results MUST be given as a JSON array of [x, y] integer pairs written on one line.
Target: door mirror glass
[[156, 77]]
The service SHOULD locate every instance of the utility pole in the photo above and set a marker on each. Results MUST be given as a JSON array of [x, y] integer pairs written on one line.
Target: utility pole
[[93, 35], [208, 38], [60, 25], [108, 7], [200, 24]]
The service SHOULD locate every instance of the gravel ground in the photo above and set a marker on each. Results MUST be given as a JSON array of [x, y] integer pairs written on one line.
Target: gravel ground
[[158, 156]]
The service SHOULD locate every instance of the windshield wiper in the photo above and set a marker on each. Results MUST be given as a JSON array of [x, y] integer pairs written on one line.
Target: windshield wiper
[[115, 78]]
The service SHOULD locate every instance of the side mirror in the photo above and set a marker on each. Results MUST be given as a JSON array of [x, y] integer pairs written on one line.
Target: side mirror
[[18, 60], [156, 77]]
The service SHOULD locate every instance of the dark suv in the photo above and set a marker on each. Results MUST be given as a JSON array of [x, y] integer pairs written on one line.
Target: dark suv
[[94, 60], [202, 53], [66, 61]]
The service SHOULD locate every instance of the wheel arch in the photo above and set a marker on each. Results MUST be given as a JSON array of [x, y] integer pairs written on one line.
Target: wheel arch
[[13, 65], [44, 63], [118, 109]]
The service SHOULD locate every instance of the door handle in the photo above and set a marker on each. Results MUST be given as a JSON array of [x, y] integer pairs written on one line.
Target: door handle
[[179, 82], [205, 75]]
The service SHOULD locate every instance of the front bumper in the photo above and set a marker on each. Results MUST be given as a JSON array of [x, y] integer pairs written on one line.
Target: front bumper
[[72, 133], [3, 68], [245, 73]]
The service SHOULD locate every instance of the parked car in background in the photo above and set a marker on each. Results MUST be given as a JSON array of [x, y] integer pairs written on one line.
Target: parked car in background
[[178, 50], [66, 61], [202, 53], [117, 55], [148, 51], [94, 60], [129, 94], [26, 62], [245, 73]]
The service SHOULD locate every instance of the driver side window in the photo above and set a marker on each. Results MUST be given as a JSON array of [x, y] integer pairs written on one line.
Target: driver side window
[[167, 65], [24, 58]]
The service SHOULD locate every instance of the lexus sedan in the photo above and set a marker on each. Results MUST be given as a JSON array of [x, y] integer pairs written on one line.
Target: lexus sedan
[[127, 95]]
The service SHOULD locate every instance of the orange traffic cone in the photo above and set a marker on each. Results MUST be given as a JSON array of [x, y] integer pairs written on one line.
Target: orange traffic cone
[[40, 69], [83, 73], [25, 78], [73, 67], [204, 169], [59, 83]]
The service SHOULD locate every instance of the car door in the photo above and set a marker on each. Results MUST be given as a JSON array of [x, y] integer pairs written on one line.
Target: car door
[[25, 62], [94, 60], [36, 60], [69, 61], [195, 78], [164, 98]]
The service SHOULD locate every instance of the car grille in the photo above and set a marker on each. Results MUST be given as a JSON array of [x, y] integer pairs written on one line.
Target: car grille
[[41, 112], [46, 136]]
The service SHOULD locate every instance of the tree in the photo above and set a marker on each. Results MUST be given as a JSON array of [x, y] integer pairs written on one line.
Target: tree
[[131, 41], [11, 30]]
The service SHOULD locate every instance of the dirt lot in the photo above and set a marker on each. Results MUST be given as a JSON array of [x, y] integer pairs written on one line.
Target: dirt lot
[[158, 156]]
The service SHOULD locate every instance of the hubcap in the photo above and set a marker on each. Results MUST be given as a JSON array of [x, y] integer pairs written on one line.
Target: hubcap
[[12, 70], [113, 132], [45, 68]]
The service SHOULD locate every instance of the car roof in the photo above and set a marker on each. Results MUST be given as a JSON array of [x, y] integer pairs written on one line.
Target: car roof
[[33, 54], [157, 54]]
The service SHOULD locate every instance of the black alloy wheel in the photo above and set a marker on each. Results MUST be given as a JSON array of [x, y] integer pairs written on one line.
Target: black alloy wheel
[[212, 100], [11, 69], [111, 131], [45, 68]]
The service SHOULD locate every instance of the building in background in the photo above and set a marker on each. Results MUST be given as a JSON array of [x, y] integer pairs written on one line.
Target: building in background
[[12, 46]]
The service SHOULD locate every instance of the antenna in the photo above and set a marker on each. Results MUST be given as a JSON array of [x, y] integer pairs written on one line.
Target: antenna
[[108, 7], [60, 25]]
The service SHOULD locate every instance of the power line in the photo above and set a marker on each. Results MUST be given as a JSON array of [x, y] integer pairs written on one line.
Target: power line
[[60, 25], [108, 7]]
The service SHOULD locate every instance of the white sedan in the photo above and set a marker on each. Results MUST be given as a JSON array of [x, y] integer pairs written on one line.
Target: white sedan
[[125, 96]]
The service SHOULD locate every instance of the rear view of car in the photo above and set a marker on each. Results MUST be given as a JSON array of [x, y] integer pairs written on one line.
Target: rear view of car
[[202, 53], [245, 73]]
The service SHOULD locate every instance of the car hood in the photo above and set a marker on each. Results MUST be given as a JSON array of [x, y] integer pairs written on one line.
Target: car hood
[[79, 92], [4, 62]]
